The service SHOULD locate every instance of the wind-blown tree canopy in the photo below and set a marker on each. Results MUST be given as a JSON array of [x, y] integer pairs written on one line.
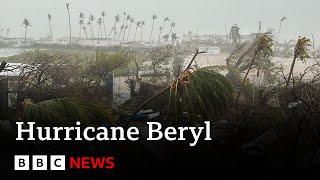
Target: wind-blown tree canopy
[[262, 49], [300, 52], [50, 28], [26, 23], [69, 18], [202, 92], [63, 111]]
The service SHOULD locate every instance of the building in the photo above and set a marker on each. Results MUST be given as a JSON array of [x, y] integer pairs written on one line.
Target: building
[[9, 80], [210, 50]]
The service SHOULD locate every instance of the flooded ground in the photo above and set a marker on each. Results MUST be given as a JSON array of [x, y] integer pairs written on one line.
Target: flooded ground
[[9, 52], [205, 60]]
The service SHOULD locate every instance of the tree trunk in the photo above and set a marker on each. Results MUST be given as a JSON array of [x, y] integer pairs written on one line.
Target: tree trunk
[[70, 40], [246, 75], [151, 31], [291, 71], [141, 34], [166, 88], [104, 28], [159, 35], [92, 34], [50, 30], [25, 34], [135, 34], [129, 32]]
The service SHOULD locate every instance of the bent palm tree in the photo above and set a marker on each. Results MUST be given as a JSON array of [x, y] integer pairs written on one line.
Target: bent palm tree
[[68, 9], [130, 26], [81, 22], [142, 26], [125, 27], [163, 27], [154, 17], [173, 25], [196, 91], [26, 24], [160, 32], [300, 51], [279, 31], [138, 24], [114, 28], [85, 31], [90, 23], [50, 18], [263, 47], [103, 14], [122, 26], [8, 30], [100, 21]]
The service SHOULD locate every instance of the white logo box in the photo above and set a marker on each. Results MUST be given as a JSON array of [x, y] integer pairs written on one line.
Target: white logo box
[[39, 162]]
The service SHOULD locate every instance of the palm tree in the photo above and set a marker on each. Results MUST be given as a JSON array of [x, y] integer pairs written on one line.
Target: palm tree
[[203, 89], [154, 17], [174, 38], [280, 26], [173, 25], [103, 14], [121, 30], [26, 24], [114, 28], [142, 26], [100, 21], [8, 30], [123, 25], [85, 31], [126, 27], [263, 48], [90, 23], [50, 18], [166, 38], [160, 32], [163, 27], [138, 24], [300, 51], [81, 22], [131, 22], [68, 9], [124, 34]]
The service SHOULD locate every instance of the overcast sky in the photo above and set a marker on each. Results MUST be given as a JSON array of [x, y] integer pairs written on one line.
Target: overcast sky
[[206, 16]]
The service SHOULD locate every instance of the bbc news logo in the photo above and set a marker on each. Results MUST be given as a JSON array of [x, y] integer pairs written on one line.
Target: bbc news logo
[[61, 163]]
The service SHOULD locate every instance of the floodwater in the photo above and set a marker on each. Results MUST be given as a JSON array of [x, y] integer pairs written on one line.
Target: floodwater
[[204, 60], [6, 52]]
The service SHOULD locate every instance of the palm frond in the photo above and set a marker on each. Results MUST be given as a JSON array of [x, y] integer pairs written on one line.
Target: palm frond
[[63, 111], [202, 92]]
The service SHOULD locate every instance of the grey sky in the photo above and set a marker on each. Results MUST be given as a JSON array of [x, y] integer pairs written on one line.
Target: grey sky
[[209, 16]]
